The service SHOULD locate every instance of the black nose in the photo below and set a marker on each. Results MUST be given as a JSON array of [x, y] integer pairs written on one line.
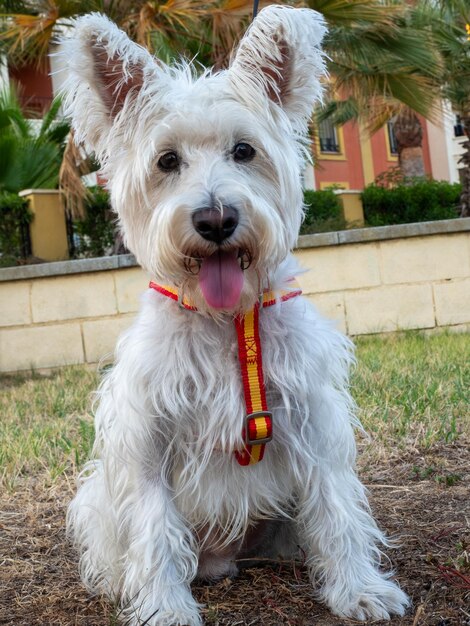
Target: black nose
[[214, 224]]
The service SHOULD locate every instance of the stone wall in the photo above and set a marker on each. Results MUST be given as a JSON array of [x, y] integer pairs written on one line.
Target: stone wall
[[368, 280], [392, 278]]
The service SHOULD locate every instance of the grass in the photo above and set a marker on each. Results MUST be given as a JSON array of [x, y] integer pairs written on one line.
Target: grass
[[46, 423], [414, 386], [410, 388]]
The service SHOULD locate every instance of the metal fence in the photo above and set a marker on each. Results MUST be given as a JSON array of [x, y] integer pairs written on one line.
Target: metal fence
[[15, 238]]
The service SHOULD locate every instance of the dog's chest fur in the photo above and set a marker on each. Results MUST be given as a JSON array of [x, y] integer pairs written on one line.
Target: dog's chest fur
[[206, 396], [201, 408]]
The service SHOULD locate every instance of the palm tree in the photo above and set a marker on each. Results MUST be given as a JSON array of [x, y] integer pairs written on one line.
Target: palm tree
[[204, 28], [409, 135], [384, 65], [378, 55], [452, 32], [382, 57], [207, 27], [30, 153]]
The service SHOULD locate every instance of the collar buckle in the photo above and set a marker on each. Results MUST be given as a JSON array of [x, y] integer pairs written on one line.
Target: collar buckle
[[267, 424]]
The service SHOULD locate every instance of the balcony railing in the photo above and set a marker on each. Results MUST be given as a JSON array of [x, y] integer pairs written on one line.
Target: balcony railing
[[329, 144]]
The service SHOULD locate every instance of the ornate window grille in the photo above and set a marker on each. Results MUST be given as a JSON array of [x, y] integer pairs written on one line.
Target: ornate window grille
[[392, 139], [328, 137]]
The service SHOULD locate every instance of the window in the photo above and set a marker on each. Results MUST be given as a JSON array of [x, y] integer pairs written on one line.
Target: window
[[459, 130], [328, 137], [392, 139], [462, 176]]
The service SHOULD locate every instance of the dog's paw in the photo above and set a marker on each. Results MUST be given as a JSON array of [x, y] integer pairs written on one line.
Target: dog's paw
[[165, 618], [182, 613], [176, 618], [378, 602]]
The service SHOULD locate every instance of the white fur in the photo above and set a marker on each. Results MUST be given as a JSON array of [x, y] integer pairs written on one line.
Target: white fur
[[165, 494]]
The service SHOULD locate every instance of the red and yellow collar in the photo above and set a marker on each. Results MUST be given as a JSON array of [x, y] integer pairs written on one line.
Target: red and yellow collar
[[258, 426]]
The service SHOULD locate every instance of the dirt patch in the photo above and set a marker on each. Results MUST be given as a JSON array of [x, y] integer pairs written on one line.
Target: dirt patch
[[421, 498]]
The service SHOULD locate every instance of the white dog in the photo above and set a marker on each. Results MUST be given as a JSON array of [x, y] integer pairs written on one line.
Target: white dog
[[204, 452]]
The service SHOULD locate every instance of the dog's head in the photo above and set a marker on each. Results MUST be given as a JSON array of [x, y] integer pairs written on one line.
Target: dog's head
[[204, 171]]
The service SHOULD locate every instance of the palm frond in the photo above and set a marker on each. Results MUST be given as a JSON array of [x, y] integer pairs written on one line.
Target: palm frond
[[169, 20], [58, 132], [346, 13], [29, 158], [12, 118], [27, 33], [339, 112], [75, 164], [229, 20], [28, 36], [51, 115], [32, 163], [383, 57]]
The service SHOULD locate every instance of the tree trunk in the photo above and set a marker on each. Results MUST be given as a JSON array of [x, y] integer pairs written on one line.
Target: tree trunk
[[465, 161], [409, 135]]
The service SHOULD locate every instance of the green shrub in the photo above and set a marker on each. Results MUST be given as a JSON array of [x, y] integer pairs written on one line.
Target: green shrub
[[14, 234], [323, 212], [422, 201], [30, 153], [96, 232]]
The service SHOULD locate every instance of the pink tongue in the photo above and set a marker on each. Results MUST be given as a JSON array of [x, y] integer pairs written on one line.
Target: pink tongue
[[221, 280]]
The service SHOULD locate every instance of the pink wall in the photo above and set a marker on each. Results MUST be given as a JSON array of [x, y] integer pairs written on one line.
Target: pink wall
[[349, 168], [34, 86]]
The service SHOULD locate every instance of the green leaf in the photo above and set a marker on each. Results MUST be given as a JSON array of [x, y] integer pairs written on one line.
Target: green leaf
[[29, 158]]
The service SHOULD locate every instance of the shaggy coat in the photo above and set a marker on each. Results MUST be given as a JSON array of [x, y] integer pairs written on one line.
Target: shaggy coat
[[164, 499]]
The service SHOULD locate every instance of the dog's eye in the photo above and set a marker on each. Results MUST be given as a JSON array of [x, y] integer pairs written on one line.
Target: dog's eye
[[243, 152], [168, 162]]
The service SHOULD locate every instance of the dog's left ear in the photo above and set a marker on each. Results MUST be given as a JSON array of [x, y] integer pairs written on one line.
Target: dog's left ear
[[280, 56]]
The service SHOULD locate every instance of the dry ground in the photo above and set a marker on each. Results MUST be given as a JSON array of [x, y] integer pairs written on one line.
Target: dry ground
[[414, 394], [422, 498]]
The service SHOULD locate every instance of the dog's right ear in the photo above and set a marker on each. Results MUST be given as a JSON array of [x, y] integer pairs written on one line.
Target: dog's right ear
[[105, 77]]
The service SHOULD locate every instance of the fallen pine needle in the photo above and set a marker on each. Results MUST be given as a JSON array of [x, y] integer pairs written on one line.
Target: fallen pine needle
[[418, 614]]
